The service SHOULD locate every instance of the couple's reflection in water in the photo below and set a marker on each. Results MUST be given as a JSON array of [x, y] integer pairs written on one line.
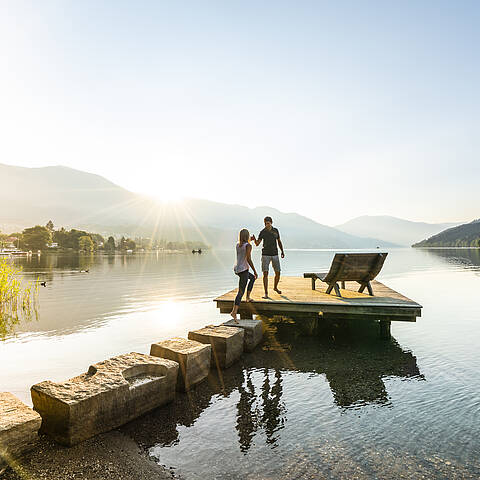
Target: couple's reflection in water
[[351, 356], [264, 410]]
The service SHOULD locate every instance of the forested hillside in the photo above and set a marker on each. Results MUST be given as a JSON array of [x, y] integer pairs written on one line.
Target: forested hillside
[[466, 235]]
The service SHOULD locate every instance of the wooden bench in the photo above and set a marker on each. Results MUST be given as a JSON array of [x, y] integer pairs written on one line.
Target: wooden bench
[[356, 267]]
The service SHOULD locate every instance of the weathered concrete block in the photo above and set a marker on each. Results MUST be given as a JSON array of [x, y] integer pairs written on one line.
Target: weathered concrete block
[[19, 426], [193, 358], [111, 393], [226, 342], [253, 332]]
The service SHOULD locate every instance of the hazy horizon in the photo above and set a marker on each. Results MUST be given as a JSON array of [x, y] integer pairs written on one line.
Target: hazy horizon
[[330, 110], [173, 202]]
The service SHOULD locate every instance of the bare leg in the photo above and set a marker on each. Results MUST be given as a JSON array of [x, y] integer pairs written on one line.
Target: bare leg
[[265, 284], [275, 283], [233, 313]]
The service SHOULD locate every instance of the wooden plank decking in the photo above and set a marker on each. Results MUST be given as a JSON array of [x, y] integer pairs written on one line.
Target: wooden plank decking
[[298, 298]]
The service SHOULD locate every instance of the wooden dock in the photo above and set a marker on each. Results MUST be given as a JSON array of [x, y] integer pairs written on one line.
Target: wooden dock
[[299, 300]]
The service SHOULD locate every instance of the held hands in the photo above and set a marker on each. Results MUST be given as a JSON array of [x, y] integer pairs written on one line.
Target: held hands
[[255, 275], [283, 255], [252, 238]]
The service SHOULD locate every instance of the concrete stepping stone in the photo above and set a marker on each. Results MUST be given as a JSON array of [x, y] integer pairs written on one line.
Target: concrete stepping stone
[[110, 394], [253, 332], [19, 426], [193, 358], [226, 342]]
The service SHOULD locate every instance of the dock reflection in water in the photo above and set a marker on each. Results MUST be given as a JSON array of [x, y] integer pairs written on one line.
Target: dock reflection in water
[[350, 355], [256, 399]]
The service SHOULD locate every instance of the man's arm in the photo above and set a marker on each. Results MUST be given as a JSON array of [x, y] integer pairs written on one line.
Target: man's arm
[[259, 241], [280, 244]]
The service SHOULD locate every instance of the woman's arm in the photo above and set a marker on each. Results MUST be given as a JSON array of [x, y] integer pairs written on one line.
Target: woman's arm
[[249, 259], [257, 242]]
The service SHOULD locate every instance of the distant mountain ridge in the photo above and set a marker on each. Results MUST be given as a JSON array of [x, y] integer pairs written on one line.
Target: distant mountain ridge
[[393, 229], [73, 198], [466, 235]]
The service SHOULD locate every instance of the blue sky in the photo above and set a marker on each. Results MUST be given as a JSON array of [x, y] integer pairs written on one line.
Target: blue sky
[[331, 109]]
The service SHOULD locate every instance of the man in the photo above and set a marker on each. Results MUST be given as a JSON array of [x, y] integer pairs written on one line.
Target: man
[[270, 237]]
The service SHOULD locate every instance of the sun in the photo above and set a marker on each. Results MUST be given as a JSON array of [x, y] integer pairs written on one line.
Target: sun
[[168, 194]]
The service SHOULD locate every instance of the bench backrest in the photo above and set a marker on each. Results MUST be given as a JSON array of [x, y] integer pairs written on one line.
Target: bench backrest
[[359, 267]]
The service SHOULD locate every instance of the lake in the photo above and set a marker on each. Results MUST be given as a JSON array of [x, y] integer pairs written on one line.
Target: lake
[[340, 404]]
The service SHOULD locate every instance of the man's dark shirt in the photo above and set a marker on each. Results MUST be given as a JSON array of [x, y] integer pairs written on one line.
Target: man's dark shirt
[[269, 238]]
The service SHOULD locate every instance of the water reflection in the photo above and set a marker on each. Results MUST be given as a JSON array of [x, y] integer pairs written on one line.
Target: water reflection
[[72, 263], [350, 354], [88, 291], [468, 258], [351, 357], [247, 413], [265, 411]]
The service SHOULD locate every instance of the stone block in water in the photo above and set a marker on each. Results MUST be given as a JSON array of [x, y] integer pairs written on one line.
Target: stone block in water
[[19, 426], [253, 332], [226, 342], [110, 394], [193, 359]]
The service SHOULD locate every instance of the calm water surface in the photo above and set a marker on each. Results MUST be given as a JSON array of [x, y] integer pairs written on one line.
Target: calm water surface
[[340, 404]]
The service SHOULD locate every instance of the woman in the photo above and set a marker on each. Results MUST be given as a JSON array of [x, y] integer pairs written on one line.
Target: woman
[[244, 260]]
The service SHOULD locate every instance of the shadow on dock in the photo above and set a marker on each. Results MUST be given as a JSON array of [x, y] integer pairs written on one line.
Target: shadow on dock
[[351, 357]]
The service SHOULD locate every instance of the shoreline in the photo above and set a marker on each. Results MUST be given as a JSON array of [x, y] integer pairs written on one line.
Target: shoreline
[[107, 456]]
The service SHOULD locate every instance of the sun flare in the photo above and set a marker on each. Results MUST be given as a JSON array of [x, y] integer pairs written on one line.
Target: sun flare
[[168, 196]]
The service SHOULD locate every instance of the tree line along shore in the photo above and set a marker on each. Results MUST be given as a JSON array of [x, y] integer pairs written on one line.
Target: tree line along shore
[[49, 239]]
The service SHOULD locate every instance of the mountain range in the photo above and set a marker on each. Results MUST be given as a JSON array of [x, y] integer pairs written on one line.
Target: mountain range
[[73, 198], [77, 199]]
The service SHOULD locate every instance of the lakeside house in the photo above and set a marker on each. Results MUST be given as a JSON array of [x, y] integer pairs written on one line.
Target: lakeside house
[[8, 247]]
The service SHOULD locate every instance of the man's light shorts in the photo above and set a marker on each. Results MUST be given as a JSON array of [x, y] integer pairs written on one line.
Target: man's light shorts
[[266, 259]]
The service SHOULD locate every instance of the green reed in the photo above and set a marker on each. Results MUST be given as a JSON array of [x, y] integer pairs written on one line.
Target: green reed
[[18, 300]]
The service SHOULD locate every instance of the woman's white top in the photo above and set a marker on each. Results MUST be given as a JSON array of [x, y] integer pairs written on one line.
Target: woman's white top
[[242, 263]]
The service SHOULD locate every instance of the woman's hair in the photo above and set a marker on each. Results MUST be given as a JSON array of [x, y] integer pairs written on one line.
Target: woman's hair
[[243, 236]]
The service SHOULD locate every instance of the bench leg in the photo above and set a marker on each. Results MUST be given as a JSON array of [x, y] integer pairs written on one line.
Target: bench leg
[[343, 285], [313, 283], [332, 286], [368, 286]]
